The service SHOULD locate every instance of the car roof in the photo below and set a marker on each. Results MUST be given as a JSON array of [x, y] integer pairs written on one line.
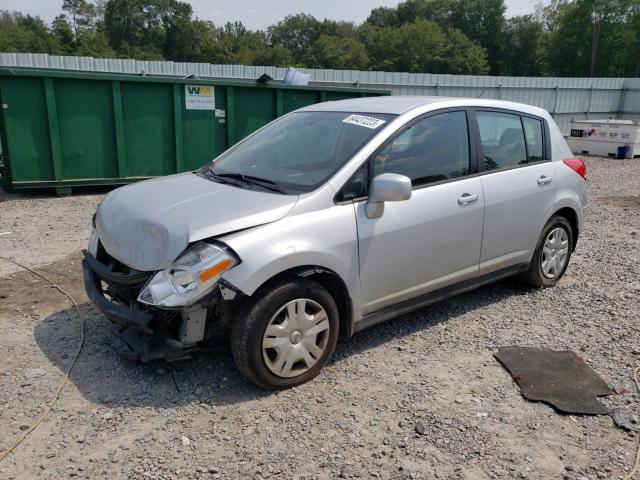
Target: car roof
[[398, 104]]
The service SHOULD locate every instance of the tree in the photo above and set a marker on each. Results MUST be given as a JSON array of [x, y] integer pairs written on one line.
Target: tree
[[566, 53], [439, 11], [383, 17], [523, 42], [483, 21], [63, 33], [341, 29], [180, 37], [423, 46], [213, 45], [549, 15], [633, 41], [24, 33], [138, 28], [593, 38], [82, 15], [295, 33], [274, 55], [338, 53], [564, 37], [463, 56], [94, 43]]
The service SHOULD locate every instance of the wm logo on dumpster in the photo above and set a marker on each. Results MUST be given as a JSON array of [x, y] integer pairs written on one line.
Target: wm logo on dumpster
[[199, 97], [199, 90]]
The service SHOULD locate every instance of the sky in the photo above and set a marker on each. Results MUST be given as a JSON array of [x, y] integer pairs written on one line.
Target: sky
[[260, 13]]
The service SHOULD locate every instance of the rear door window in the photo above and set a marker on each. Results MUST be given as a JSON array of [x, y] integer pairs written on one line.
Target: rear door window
[[502, 140], [433, 149]]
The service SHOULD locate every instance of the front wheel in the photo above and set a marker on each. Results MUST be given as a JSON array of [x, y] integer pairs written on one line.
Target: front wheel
[[285, 334], [553, 252]]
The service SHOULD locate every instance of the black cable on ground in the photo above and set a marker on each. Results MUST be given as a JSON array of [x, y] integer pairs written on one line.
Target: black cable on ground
[[64, 379]]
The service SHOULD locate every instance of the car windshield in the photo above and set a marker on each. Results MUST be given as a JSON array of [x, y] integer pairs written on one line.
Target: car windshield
[[298, 152]]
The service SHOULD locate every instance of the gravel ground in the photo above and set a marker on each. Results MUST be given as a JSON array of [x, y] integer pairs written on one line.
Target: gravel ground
[[40, 229], [200, 419]]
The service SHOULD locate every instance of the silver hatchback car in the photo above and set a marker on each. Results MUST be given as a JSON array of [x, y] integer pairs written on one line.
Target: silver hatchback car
[[331, 219]]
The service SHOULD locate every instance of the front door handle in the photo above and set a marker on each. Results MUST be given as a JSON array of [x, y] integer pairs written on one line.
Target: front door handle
[[544, 180], [467, 198]]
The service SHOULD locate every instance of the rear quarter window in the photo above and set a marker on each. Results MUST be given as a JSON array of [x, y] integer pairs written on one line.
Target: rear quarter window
[[502, 140], [534, 138]]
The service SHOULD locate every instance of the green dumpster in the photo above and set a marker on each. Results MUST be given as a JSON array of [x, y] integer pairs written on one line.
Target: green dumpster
[[69, 129]]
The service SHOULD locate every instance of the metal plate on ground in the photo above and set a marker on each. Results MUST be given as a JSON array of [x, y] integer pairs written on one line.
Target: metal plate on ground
[[559, 378]]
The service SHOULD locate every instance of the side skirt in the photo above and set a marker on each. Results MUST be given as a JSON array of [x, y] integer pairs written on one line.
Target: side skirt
[[430, 298]]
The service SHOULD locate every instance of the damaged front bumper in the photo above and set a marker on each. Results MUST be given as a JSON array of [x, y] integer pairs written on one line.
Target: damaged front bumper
[[147, 333]]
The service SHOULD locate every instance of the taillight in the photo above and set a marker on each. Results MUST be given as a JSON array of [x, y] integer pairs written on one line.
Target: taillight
[[577, 165]]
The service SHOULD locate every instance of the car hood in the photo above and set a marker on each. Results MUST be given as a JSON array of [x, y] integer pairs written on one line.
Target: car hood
[[148, 224]]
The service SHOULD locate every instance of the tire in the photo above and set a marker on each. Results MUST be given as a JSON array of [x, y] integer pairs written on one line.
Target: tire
[[272, 306], [540, 275]]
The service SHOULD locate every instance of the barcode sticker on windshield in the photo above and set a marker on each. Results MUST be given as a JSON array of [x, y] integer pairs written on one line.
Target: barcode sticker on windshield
[[363, 121]]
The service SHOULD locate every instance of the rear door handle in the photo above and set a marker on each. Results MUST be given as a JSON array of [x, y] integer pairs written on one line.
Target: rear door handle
[[543, 180], [467, 198]]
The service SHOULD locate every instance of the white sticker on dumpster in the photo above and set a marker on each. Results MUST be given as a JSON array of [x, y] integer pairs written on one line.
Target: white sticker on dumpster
[[199, 97], [363, 121]]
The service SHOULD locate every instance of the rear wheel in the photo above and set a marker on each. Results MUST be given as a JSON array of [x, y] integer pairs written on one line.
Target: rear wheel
[[285, 334], [552, 254]]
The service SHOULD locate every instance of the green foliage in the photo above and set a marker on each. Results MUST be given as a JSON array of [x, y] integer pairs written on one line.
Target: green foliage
[[484, 22], [24, 33], [337, 53], [423, 46], [595, 38], [82, 15], [63, 35], [416, 47], [383, 17], [296, 33], [463, 56], [564, 37], [94, 43], [524, 39]]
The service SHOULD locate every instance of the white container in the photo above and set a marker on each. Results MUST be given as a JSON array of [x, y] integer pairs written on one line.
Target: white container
[[294, 77], [603, 137]]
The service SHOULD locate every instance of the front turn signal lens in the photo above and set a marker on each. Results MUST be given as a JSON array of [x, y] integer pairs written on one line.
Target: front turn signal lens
[[211, 272]]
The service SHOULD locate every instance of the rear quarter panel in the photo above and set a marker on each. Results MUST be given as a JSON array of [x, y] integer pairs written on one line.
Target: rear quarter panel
[[571, 189]]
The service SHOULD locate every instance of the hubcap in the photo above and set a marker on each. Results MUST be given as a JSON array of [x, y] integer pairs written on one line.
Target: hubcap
[[555, 252], [295, 338]]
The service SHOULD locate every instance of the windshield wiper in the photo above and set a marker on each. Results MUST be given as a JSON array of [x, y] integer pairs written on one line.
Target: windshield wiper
[[262, 182], [224, 179]]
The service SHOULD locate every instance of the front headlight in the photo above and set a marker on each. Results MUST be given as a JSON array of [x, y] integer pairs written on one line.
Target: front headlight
[[192, 276]]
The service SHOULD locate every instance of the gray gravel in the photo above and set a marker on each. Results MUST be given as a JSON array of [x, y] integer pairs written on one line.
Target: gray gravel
[[417, 397], [41, 228]]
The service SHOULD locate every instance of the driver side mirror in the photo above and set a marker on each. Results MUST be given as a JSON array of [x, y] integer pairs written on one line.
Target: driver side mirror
[[387, 187]]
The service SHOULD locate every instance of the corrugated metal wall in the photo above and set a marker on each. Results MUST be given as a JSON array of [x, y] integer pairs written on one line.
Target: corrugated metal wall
[[565, 98]]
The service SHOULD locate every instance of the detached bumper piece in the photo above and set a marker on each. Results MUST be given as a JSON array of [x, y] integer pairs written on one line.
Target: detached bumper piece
[[145, 348], [145, 333]]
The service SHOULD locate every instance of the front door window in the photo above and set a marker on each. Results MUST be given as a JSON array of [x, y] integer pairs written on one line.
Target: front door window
[[431, 150]]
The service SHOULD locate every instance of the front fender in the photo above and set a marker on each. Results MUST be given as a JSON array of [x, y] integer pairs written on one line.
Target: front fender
[[324, 238]]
